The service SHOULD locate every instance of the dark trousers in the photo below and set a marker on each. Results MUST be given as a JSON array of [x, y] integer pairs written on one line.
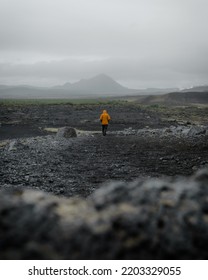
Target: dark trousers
[[104, 129]]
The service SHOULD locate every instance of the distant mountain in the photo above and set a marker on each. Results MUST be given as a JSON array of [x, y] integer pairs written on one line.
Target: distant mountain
[[157, 91], [188, 97], [27, 92], [98, 84], [65, 86], [175, 98], [196, 89], [3, 87]]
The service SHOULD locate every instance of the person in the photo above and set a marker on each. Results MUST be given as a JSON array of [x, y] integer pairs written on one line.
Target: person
[[104, 118]]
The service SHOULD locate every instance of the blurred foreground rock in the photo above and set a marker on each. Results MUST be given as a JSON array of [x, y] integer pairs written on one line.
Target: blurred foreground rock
[[151, 219]]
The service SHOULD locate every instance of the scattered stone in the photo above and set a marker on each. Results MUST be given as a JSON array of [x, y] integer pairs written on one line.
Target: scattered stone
[[66, 132], [196, 130], [12, 145], [190, 132]]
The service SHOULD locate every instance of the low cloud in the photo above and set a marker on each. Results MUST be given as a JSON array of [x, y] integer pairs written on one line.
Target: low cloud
[[141, 43]]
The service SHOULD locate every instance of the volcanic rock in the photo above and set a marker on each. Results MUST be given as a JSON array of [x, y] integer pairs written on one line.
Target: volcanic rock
[[145, 219], [66, 132]]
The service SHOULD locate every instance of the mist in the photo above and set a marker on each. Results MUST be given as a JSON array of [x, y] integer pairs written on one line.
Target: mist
[[140, 44]]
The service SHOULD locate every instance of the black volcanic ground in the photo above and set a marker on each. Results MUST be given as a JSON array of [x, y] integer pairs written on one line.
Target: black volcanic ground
[[34, 158]]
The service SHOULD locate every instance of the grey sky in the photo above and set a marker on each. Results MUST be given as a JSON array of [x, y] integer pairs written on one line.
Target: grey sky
[[140, 43]]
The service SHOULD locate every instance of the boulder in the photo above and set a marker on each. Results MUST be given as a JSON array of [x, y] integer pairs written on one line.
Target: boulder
[[196, 130], [66, 132], [145, 219]]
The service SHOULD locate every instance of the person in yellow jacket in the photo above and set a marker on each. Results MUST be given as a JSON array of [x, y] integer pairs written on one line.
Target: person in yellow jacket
[[104, 118]]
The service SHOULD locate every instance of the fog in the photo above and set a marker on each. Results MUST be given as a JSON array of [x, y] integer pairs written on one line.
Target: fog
[[139, 43]]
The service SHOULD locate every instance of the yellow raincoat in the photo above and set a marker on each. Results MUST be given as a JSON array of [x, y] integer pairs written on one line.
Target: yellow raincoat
[[105, 118]]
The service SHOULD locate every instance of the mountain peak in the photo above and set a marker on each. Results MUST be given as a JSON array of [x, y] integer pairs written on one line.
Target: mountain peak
[[101, 83], [103, 76]]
